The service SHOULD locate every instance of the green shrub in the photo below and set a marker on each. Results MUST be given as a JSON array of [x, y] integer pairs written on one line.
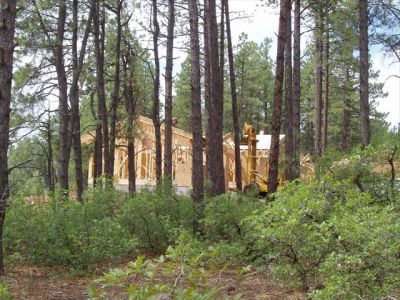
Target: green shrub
[[367, 169], [221, 225], [223, 216], [329, 238], [4, 292], [65, 232], [366, 264], [156, 219], [177, 275]]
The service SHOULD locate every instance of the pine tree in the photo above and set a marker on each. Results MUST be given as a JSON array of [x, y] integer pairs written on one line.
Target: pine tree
[[289, 117], [235, 117], [276, 114], [156, 91], [364, 70], [7, 45], [117, 81], [168, 91], [214, 140], [296, 87], [197, 153]]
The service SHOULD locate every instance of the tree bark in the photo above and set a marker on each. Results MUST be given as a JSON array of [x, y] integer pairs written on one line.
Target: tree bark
[[74, 100], [277, 106], [50, 166], [156, 94], [117, 84], [243, 105], [64, 114], [168, 92], [97, 151], [346, 114], [77, 62], [289, 143], [364, 76], [266, 119], [98, 157], [318, 82], [100, 87], [7, 30], [296, 88], [309, 137], [197, 153], [222, 45], [130, 105], [207, 97], [324, 143], [217, 177], [235, 117]]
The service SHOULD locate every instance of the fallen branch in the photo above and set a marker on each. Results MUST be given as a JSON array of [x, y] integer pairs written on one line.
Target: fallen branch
[[178, 279]]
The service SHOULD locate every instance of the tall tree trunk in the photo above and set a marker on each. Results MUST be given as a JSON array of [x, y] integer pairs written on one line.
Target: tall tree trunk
[[324, 142], [64, 114], [207, 97], [289, 151], [197, 153], [318, 84], [364, 76], [266, 119], [117, 84], [98, 156], [130, 105], [77, 62], [222, 45], [74, 100], [131, 165], [346, 114], [243, 105], [100, 87], [309, 137], [50, 166], [277, 106], [168, 92], [235, 117], [98, 141], [7, 30], [156, 94], [296, 87], [217, 179], [222, 80]]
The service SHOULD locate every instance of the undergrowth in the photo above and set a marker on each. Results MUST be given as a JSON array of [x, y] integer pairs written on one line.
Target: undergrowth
[[335, 236], [4, 292]]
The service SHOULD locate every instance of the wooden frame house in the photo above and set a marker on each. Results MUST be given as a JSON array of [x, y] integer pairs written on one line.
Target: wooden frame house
[[145, 157], [181, 158]]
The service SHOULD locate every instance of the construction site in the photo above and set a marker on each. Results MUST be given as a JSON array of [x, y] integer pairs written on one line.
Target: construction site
[[254, 153]]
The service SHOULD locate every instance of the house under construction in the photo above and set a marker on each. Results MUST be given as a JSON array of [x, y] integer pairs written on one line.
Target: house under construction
[[181, 158]]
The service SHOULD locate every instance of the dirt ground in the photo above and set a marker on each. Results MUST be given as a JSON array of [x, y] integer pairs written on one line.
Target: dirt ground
[[30, 282]]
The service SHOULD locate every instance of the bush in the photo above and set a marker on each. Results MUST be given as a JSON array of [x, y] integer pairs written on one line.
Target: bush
[[366, 264], [336, 236], [107, 226], [65, 232], [156, 219], [223, 216], [4, 292], [368, 169], [330, 239], [177, 275]]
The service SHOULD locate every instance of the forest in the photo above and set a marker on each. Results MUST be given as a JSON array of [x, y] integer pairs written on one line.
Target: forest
[[158, 149]]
